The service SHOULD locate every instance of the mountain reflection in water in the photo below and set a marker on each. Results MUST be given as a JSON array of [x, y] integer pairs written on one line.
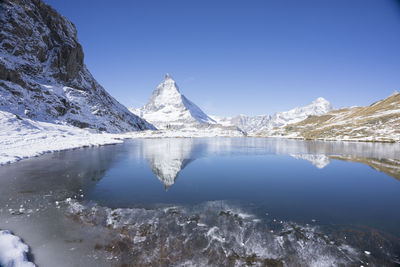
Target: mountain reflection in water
[[167, 157], [257, 199]]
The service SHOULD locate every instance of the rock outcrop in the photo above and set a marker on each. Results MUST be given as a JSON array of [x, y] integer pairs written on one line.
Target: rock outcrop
[[43, 75]]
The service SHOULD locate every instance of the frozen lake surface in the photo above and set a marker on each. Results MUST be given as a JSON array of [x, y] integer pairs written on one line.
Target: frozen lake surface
[[208, 201]]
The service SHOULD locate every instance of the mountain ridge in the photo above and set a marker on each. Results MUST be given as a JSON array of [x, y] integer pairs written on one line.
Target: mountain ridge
[[259, 123], [378, 122]]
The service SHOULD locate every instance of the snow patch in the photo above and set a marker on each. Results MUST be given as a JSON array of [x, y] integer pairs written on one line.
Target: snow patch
[[13, 252]]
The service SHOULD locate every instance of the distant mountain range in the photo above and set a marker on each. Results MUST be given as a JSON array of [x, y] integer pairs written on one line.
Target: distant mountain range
[[168, 108], [265, 123]]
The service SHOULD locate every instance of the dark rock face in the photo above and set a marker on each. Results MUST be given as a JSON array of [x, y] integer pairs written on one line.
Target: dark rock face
[[43, 75]]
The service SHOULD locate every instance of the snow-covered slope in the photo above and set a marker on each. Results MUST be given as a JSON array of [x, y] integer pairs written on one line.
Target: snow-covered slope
[[251, 124], [43, 75], [21, 137], [168, 108], [377, 122], [319, 106], [263, 123]]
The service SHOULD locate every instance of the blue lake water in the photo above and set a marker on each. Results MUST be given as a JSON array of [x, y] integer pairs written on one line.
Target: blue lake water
[[191, 171], [347, 190]]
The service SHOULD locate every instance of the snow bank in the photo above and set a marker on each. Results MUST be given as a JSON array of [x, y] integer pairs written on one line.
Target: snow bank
[[21, 138], [13, 252]]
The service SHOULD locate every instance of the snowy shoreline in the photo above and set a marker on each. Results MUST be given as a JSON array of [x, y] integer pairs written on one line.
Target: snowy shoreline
[[22, 138], [364, 140]]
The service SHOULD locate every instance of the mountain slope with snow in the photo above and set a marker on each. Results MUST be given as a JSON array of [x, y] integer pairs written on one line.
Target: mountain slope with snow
[[168, 108], [265, 123], [377, 122], [43, 75], [317, 107]]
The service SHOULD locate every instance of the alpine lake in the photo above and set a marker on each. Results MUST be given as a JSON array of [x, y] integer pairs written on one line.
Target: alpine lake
[[208, 202]]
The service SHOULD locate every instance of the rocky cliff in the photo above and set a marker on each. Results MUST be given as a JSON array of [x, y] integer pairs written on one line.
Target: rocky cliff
[[43, 75]]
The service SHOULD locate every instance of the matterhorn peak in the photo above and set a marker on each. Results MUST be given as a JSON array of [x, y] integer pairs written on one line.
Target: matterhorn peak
[[168, 107], [320, 99], [168, 84]]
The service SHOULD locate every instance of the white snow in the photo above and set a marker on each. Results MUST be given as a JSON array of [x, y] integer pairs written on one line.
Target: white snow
[[21, 138], [317, 107], [13, 252]]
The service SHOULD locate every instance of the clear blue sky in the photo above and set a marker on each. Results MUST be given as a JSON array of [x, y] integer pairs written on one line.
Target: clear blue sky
[[249, 57]]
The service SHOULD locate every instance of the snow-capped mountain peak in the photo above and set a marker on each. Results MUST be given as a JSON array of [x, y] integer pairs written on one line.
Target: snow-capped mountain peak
[[167, 107], [166, 93], [265, 123], [167, 76], [322, 103], [317, 107]]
